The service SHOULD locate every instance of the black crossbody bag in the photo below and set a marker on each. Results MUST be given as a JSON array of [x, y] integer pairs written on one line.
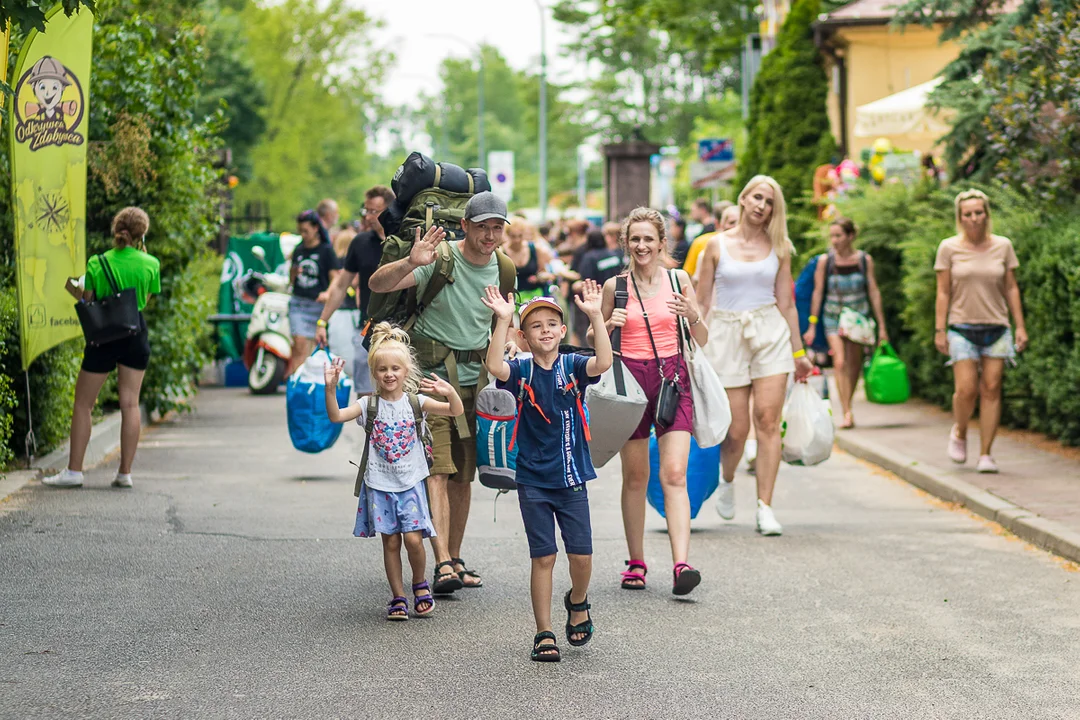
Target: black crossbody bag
[[112, 317], [667, 402]]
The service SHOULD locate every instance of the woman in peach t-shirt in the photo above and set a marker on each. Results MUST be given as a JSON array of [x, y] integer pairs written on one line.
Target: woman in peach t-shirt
[[976, 292]]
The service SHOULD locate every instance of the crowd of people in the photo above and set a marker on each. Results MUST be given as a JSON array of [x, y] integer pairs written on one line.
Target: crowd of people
[[729, 289]]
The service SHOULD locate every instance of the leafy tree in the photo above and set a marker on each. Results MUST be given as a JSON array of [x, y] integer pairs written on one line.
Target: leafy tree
[[1034, 94], [231, 83], [26, 15], [986, 29], [511, 122], [317, 88], [789, 127], [662, 61]]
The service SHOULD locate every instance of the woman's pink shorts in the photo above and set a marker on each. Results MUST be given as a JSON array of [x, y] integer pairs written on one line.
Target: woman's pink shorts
[[644, 371]]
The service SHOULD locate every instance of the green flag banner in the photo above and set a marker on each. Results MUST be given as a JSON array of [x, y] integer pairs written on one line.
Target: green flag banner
[[48, 173]]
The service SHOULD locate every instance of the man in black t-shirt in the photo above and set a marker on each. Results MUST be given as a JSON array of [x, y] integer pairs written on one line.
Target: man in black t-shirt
[[361, 261]]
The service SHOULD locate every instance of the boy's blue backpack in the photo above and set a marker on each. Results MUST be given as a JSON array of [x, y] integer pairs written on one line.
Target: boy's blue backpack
[[804, 295], [497, 413], [310, 428], [702, 475]]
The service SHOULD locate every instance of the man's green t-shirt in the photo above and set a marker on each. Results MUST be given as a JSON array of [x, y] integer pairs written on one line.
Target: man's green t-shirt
[[457, 317], [131, 268]]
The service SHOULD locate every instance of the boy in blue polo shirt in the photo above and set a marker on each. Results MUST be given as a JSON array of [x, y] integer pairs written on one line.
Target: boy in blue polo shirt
[[553, 462]]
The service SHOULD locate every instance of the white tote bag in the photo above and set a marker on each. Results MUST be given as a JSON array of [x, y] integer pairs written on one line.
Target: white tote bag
[[712, 411]]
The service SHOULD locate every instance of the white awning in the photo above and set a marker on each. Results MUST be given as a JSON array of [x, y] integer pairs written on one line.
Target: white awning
[[902, 113]]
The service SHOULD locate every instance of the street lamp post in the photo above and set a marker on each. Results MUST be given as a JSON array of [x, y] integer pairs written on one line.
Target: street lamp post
[[543, 114]]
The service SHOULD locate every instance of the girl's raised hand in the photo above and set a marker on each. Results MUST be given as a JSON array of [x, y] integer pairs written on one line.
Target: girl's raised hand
[[493, 299], [591, 298], [332, 371], [435, 385]]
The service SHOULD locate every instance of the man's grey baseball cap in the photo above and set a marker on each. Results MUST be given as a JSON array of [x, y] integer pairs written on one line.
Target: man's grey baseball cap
[[485, 206]]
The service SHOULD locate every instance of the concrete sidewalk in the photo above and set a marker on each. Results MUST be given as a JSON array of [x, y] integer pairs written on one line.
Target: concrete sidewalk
[[1036, 495]]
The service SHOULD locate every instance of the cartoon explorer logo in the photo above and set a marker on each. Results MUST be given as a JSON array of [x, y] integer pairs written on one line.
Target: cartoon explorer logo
[[48, 106]]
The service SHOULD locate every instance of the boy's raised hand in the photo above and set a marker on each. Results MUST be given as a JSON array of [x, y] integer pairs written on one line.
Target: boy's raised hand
[[493, 299], [435, 385], [591, 298], [332, 371]]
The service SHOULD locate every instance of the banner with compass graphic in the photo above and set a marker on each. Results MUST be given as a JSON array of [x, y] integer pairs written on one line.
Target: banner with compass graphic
[[48, 172]]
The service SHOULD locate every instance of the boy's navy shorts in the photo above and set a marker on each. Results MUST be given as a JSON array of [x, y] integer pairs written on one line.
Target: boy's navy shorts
[[541, 507]]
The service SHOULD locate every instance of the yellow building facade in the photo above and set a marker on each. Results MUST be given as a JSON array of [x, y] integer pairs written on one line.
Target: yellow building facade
[[868, 61]]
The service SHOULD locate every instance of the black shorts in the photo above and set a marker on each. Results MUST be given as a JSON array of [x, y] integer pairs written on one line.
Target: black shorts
[[132, 352]]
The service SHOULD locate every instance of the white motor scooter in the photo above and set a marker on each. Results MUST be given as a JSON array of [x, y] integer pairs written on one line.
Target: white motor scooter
[[269, 343]]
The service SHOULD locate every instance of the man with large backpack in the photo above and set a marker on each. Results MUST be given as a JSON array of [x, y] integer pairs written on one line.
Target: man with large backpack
[[450, 334]]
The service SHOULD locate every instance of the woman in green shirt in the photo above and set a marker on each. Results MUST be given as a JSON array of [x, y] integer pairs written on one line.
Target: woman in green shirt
[[132, 268]]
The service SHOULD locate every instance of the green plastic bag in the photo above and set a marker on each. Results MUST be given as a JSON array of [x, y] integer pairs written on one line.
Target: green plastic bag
[[886, 377]]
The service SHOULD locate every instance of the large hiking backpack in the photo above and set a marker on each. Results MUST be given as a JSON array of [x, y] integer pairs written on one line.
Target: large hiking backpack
[[440, 202]]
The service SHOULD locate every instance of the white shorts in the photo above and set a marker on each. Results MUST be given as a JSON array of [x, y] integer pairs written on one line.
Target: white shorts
[[746, 346]]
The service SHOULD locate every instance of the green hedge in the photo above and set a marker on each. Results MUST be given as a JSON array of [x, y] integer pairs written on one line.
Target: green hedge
[[902, 227]]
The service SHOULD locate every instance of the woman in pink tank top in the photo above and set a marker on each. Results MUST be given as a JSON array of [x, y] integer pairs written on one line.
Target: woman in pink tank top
[[655, 305]]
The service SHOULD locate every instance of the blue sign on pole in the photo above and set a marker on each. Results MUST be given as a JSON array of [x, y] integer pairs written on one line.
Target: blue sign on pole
[[716, 150]]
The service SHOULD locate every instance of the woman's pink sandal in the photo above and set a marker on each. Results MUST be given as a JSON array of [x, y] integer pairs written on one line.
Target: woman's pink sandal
[[686, 579], [632, 580]]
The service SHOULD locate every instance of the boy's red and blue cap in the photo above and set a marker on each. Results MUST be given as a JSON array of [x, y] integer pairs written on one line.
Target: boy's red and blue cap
[[536, 303]]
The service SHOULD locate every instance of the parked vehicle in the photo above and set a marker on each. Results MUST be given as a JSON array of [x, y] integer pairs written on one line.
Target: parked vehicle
[[268, 346]]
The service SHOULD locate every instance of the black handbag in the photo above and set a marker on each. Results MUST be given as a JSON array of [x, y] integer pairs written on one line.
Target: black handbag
[[667, 401], [112, 317]]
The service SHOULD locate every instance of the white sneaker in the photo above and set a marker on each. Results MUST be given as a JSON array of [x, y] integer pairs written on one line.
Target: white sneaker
[[750, 455], [766, 521], [725, 500], [64, 479], [986, 465], [122, 480]]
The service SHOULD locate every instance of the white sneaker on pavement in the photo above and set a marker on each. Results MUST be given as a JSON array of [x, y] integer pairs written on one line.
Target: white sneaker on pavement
[[122, 480], [725, 500], [64, 479], [986, 465], [766, 521]]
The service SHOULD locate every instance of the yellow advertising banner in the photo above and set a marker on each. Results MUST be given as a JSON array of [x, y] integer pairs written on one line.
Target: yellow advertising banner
[[48, 176]]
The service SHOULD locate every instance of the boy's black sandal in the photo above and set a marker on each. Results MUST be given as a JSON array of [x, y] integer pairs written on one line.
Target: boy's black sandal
[[449, 582], [586, 628], [545, 653]]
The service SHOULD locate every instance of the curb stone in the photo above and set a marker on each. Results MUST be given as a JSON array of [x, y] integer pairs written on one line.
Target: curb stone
[[104, 441], [1046, 534]]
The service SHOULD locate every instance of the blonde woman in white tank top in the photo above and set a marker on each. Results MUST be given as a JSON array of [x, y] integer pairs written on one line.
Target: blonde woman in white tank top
[[745, 293]]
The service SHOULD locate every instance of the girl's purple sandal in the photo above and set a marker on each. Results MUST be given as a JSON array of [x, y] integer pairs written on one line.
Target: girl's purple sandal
[[632, 580], [424, 600], [398, 609], [686, 579]]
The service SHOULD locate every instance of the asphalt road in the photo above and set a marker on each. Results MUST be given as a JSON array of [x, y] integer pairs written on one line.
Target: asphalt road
[[227, 585]]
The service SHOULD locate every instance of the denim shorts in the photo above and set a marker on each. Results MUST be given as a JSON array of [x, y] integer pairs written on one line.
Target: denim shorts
[[541, 507], [960, 348], [303, 315]]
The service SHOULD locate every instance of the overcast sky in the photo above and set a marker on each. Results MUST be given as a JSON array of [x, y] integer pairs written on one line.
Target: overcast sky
[[418, 32], [422, 33]]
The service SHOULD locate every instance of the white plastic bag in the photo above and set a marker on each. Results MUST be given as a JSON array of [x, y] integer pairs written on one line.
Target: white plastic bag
[[712, 412], [807, 428]]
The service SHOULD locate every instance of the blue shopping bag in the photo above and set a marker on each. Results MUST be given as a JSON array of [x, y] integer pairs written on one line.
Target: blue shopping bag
[[702, 475], [310, 429]]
